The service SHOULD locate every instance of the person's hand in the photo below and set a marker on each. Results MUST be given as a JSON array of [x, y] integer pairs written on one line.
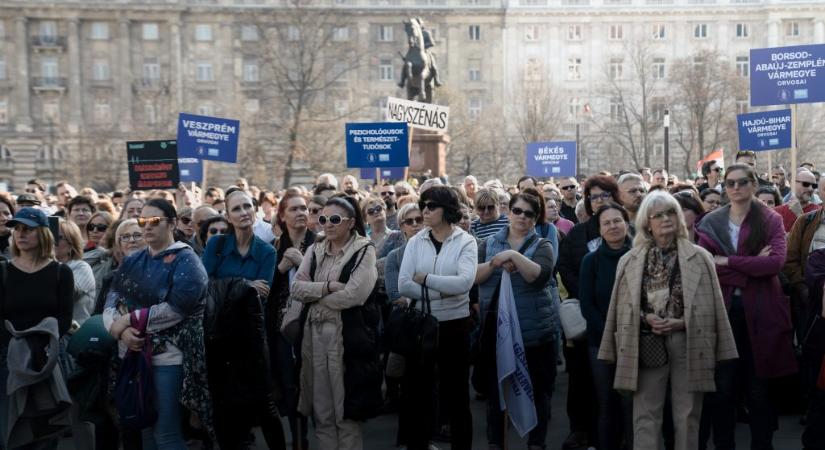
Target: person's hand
[[766, 251], [131, 339], [794, 205], [335, 286], [285, 265], [261, 286], [501, 258], [401, 301], [653, 320], [720, 260], [509, 266], [419, 277], [294, 256], [119, 325]]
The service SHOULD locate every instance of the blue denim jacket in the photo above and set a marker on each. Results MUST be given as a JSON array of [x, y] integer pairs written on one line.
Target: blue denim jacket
[[257, 264]]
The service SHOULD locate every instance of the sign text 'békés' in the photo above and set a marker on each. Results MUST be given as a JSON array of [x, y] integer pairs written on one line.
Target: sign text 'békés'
[[551, 159]]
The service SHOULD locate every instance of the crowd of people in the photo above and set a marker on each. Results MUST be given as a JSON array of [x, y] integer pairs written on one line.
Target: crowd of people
[[702, 298]]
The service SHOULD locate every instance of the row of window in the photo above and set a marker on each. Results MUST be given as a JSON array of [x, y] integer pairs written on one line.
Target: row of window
[[617, 32]]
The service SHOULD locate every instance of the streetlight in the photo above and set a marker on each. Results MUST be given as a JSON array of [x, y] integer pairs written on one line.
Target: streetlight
[[667, 141]]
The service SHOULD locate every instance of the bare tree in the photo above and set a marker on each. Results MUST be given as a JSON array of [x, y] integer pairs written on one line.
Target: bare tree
[[535, 114]]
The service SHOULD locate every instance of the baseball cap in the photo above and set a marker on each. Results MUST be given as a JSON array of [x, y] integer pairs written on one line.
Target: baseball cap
[[28, 198], [30, 217]]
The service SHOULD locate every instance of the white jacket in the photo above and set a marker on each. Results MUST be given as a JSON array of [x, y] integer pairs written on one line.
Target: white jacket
[[451, 272]]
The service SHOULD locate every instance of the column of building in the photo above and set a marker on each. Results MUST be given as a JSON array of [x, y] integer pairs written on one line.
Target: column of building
[[124, 74], [22, 108]]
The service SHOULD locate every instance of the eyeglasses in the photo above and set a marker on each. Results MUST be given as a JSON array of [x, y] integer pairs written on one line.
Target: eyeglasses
[[806, 185], [490, 208], [432, 206], [527, 213], [387, 194], [567, 188], [600, 197], [670, 212], [143, 221], [136, 237], [31, 191], [716, 169], [409, 222], [217, 230], [100, 227], [742, 182], [334, 219], [186, 220], [375, 210], [314, 210]]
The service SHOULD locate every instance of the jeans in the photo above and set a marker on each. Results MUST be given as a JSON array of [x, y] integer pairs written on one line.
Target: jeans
[[167, 433], [733, 377], [612, 406], [541, 363]]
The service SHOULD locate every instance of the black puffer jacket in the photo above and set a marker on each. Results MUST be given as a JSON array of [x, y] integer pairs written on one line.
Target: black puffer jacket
[[237, 355]]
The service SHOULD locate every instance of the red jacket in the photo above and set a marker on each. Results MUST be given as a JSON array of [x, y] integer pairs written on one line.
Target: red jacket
[[789, 217]]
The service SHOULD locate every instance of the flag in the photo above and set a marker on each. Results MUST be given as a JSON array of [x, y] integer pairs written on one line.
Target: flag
[[716, 155], [515, 392], [587, 109]]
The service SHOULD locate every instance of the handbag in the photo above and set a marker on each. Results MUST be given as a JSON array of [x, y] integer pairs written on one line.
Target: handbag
[[572, 321], [652, 350], [291, 323], [412, 332], [135, 386]]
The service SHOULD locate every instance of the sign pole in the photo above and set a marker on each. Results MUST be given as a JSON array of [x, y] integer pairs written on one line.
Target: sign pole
[[793, 145], [203, 179], [770, 164], [409, 150]]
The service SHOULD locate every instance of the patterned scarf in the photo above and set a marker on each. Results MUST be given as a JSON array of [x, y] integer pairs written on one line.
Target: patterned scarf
[[662, 283]]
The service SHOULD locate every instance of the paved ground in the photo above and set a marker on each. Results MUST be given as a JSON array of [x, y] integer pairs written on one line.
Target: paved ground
[[379, 433]]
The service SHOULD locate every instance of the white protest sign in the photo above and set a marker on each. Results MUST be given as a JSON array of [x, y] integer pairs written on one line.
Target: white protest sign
[[426, 116]]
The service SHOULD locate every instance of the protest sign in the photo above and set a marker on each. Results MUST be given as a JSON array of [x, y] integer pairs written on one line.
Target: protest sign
[[387, 173], [377, 145], [153, 165], [551, 159], [426, 116], [786, 75], [191, 169], [767, 130], [206, 137]]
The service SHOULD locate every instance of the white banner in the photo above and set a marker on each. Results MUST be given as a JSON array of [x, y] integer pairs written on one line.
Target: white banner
[[426, 116]]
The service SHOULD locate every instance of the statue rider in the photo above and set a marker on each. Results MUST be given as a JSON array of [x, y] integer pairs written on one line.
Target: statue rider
[[428, 43]]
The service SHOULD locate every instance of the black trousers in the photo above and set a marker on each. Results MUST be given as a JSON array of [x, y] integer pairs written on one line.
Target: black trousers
[[232, 425], [582, 404], [445, 377]]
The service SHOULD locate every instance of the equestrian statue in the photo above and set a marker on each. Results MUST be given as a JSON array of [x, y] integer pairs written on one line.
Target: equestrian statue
[[419, 73]]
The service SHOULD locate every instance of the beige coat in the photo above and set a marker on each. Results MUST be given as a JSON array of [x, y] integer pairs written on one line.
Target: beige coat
[[709, 336]]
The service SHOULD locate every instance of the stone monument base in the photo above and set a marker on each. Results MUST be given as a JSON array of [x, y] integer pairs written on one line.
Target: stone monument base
[[428, 152]]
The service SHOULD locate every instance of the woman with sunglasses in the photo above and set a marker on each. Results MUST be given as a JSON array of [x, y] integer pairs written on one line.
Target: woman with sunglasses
[[375, 211], [315, 206], [340, 384], [666, 326], [96, 230], [35, 287], [747, 240], [528, 258], [213, 226], [174, 302], [410, 222], [442, 259], [185, 231], [292, 218]]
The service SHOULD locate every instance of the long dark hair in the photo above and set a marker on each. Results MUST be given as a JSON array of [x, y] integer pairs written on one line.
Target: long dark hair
[[755, 219], [350, 205], [536, 201]]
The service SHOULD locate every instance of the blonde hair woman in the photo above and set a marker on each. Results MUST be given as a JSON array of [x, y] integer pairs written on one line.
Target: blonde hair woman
[[69, 250]]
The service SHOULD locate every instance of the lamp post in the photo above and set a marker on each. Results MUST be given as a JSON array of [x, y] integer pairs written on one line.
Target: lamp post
[[667, 141]]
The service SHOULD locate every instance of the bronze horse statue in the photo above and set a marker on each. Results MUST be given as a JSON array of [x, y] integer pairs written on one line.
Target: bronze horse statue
[[419, 73]]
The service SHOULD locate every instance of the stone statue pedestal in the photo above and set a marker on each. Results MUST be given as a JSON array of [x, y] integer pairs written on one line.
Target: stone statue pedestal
[[428, 151]]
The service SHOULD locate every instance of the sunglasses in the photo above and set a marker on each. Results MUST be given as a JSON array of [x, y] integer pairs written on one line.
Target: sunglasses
[[186, 220], [567, 188], [143, 221], [387, 194], [100, 228], [716, 169], [486, 208], [417, 220], [742, 182], [217, 230], [131, 237], [31, 191], [805, 184], [603, 196], [334, 219], [432, 206], [314, 210], [670, 212], [527, 213], [375, 210]]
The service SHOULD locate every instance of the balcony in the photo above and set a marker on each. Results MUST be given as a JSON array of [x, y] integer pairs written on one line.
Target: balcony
[[48, 43], [49, 84], [150, 85], [101, 83]]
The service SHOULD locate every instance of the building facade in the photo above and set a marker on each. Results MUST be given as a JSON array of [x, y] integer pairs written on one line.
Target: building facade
[[79, 78]]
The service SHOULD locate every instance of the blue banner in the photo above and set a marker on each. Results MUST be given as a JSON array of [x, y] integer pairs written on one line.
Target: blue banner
[[767, 130], [551, 159], [785, 75], [377, 145], [191, 169], [210, 138], [387, 173]]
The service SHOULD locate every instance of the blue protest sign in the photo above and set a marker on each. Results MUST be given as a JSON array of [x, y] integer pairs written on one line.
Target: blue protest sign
[[377, 145], [191, 169], [551, 159], [767, 130], [387, 173], [210, 138], [785, 75]]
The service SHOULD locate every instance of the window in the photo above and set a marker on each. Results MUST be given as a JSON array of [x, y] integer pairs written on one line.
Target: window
[[150, 113], [48, 31], [573, 107], [206, 109], [249, 33], [474, 108], [659, 72], [4, 111], [475, 32], [616, 33], [251, 72], [659, 32], [2, 68], [100, 31], [792, 29], [385, 33], [102, 111], [51, 112], [204, 72], [49, 70], [385, 70], [340, 34], [151, 69], [151, 32], [203, 32], [700, 31], [382, 108], [574, 67], [742, 63], [657, 110], [658, 149], [474, 69], [293, 33], [252, 105], [616, 68], [616, 108], [742, 30], [531, 33], [100, 70], [574, 32], [698, 61]]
